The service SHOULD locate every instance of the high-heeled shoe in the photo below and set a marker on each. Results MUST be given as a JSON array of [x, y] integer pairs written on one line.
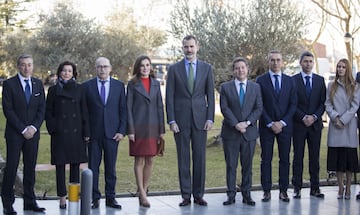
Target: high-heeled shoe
[[340, 194], [347, 195], [144, 203], [62, 204]]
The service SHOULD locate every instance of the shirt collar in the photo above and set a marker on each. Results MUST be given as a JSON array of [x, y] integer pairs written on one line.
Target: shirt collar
[[237, 82], [22, 78], [187, 61], [273, 73], [303, 74]]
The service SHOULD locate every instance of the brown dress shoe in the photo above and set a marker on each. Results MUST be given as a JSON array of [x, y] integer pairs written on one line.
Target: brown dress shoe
[[200, 201], [185, 202]]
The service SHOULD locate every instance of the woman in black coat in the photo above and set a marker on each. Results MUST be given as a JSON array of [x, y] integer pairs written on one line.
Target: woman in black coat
[[67, 123]]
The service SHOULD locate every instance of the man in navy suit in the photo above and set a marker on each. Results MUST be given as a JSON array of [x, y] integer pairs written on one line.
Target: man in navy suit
[[279, 100], [190, 107], [241, 106], [311, 94], [23, 101], [107, 107]]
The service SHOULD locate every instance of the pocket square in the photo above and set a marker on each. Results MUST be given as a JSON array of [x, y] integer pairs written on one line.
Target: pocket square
[[37, 94]]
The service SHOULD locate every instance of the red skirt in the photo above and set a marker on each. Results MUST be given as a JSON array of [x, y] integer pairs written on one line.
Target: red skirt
[[143, 147]]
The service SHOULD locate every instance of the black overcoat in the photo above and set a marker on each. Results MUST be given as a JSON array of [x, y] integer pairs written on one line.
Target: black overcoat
[[67, 122]]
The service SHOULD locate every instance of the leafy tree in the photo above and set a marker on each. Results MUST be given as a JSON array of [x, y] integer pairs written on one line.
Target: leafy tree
[[66, 35], [11, 22], [125, 40], [250, 31]]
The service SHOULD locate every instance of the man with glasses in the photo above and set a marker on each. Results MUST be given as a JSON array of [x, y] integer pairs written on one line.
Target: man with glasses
[[106, 103]]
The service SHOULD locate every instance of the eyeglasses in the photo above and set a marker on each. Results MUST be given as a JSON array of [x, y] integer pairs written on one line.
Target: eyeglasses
[[102, 66]]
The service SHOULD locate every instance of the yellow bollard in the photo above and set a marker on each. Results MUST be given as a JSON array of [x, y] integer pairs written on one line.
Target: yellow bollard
[[74, 189]]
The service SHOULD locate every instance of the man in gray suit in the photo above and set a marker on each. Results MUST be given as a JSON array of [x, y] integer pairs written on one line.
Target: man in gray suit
[[241, 106], [190, 113]]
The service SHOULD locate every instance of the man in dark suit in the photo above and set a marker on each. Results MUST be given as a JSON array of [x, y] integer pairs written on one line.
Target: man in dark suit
[[106, 103], [241, 106], [279, 100], [23, 101], [190, 109], [311, 94]]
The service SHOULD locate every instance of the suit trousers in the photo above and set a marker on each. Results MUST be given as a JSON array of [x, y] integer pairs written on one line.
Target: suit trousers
[[110, 148], [29, 149], [198, 147], [232, 149], [267, 138], [60, 177], [313, 139]]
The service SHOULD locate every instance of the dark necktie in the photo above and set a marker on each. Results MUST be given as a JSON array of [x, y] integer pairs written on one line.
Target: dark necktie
[[27, 91], [308, 86], [191, 78], [102, 91], [277, 85], [241, 94]]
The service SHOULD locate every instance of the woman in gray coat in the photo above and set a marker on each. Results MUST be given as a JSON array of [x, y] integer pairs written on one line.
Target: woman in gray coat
[[145, 122], [342, 102], [67, 123]]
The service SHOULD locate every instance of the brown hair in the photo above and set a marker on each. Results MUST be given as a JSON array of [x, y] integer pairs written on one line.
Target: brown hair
[[137, 65], [349, 81]]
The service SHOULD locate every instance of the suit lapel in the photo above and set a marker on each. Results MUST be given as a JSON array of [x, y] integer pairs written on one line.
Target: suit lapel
[[139, 87]]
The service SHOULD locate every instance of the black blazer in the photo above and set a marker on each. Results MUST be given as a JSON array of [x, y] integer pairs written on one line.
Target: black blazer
[[18, 113], [314, 105]]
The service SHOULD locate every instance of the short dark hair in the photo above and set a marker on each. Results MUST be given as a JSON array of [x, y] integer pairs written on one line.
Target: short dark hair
[[22, 56], [66, 63], [239, 59], [190, 37], [305, 54], [273, 52]]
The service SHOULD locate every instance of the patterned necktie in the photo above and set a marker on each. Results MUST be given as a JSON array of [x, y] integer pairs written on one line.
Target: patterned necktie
[[191, 78], [277, 85], [27, 91], [102, 91], [241, 94], [307, 86]]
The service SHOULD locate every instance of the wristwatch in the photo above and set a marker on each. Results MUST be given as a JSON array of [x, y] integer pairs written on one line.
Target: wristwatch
[[248, 123]]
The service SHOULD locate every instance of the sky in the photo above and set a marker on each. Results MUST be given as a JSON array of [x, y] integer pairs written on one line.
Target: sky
[[157, 13]]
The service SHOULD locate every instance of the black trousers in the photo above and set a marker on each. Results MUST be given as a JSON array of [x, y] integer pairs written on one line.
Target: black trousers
[[60, 177]]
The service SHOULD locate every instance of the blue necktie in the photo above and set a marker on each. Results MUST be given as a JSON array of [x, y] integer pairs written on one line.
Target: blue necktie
[[241, 94], [27, 91], [277, 85], [307, 86], [102, 91]]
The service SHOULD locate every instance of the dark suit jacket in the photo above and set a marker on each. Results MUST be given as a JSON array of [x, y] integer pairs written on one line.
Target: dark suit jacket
[[280, 107], [112, 115], [233, 113], [180, 103], [17, 112], [314, 105], [145, 111]]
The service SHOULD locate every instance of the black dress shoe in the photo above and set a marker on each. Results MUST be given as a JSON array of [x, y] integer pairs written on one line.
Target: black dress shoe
[[112, 203], [248, 201], [266, 197], [185, 202], [95, 204], [200, 201], [283, 196], [62, 206], [9, 210], [358, 196], [229, 201], [297, 194], [316, 193], [34, 208]]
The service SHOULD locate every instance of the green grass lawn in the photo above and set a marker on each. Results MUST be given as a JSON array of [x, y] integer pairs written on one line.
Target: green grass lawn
[[165, 176]]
